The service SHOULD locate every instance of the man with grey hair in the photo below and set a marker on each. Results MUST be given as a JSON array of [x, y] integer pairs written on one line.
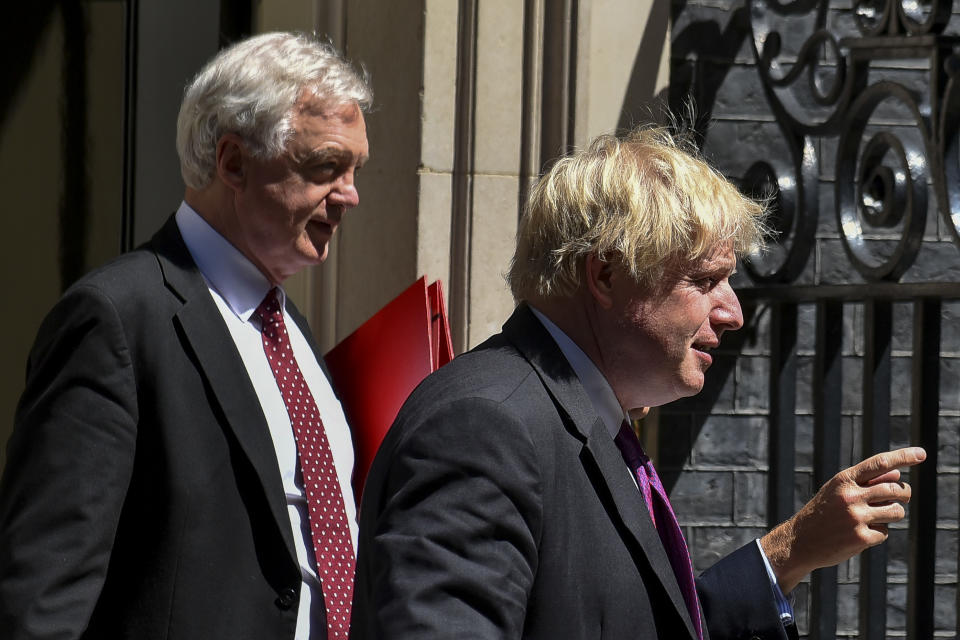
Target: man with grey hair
[[511, 498], [180, 464]]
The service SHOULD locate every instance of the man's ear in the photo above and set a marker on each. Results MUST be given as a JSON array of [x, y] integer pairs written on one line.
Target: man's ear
[[600, 275], [231, 161]]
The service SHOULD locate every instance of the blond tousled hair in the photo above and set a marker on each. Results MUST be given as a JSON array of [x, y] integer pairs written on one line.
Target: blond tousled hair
[[645, 201]]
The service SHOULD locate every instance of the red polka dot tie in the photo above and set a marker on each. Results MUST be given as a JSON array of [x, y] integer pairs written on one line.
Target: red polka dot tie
[[328, 518]]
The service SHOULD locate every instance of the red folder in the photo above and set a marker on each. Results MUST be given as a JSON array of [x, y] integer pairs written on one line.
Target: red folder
[[376, 367]]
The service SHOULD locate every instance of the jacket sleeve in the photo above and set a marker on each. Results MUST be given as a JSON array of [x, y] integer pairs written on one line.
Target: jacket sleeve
[[449, 529], [69, 463], [737, 599]]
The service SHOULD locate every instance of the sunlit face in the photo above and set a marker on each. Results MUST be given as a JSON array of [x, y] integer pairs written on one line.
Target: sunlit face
[[657, 347], [290, 206]]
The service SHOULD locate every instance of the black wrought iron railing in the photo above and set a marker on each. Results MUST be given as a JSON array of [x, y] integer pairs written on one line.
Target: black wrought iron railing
[[867, 97]]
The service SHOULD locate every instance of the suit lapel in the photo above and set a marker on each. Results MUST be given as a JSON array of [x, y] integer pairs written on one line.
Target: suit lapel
[[199, 320], [633, 512], [533, 340]]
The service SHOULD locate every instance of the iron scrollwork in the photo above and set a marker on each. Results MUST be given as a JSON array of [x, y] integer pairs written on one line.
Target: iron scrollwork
[[892, 140]]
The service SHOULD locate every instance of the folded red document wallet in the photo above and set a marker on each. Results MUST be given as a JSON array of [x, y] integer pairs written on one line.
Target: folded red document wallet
[[376, 367]]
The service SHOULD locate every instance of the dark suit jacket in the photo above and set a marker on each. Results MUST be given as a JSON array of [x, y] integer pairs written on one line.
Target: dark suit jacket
[[500, 507], [142, 496]]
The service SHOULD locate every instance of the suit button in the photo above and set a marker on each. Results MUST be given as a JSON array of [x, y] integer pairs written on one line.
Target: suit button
[[286, 599]]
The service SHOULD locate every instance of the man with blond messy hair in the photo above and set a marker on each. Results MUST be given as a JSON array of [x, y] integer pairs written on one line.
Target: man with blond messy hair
[[511, 499]]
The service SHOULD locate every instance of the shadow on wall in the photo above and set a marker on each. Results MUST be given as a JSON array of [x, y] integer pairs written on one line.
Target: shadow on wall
[[22, 31], [701, 57], [643, 76], [22, 39]]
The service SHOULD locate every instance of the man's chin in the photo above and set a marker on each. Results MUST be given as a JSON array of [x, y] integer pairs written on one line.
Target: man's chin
[[313, 253], [691, 387]]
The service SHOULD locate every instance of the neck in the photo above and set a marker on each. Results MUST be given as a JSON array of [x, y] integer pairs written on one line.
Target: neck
[[210, 204], [576, 318], [215, 205], [588, 326]]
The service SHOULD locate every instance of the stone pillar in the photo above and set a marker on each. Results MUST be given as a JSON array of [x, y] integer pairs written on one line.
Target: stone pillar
[[462, 99]]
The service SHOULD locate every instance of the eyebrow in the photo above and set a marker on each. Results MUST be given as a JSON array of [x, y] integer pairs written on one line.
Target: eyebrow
[[728, 268], [325, 154]]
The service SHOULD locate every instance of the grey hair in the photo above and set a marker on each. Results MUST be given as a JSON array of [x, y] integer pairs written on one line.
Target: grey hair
[[250, 89]]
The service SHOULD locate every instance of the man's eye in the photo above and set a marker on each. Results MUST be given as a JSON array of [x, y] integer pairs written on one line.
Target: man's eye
[[322, 171], [708, 283]]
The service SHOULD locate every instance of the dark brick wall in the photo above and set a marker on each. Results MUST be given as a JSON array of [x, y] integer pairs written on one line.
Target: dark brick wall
[[713, 449]]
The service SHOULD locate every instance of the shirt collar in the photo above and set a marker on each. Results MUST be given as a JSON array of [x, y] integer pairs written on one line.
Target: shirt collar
[[223, 266], [594, 383]]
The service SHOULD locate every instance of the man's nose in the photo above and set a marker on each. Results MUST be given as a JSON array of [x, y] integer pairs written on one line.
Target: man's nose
[[727, 314], [345, 192]]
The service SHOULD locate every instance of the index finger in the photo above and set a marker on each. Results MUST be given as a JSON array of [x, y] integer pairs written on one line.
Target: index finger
[[887, 461]]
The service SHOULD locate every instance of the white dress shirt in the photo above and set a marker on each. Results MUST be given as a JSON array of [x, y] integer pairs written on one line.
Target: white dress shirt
[[238, 288]]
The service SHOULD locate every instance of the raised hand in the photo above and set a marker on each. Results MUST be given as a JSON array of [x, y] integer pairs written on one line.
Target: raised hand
[[848, 514]]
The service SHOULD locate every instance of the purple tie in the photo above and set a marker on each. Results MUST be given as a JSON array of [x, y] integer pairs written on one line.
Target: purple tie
[[663, 518]]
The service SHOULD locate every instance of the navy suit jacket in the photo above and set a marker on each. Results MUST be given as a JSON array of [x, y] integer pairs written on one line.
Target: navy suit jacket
[[142, 496], [499, 507]]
